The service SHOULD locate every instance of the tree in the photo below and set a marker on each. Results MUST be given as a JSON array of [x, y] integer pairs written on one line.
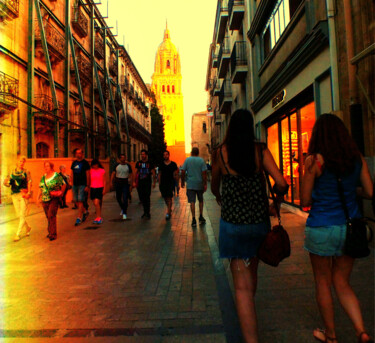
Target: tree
[[157, 145]]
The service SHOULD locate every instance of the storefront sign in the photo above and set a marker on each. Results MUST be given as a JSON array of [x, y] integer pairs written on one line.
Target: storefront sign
[[279, 99]]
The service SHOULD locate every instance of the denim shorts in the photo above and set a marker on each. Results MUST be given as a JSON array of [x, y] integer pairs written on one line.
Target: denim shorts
[[325, 240], [79, 193], [241, 240]]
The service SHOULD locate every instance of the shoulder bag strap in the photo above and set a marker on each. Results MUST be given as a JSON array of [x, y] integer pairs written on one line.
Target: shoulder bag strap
[[342, 197]]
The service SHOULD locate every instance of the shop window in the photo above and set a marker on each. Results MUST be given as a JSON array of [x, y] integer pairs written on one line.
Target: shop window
[[42, 150], [204, 128], [276, 24]]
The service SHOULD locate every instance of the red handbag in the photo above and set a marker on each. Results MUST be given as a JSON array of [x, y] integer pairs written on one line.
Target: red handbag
[[276, 245]]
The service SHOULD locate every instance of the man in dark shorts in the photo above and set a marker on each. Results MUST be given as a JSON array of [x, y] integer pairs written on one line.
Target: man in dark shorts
[[122, 178], [195, 170], [168, 176], [144, 178], [81, 184]]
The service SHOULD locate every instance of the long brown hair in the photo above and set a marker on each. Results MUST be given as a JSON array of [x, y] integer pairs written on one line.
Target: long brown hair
[[240, 142], [332, 140]]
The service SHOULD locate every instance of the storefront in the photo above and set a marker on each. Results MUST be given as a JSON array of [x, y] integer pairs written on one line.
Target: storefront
[[288, 134]]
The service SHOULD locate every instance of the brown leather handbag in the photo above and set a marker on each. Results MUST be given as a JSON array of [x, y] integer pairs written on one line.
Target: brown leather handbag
[[276, 245]]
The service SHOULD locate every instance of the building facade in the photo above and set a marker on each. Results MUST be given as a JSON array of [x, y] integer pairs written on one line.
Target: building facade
[[166, 85], [66, 83], [289, 61], [200, 134]]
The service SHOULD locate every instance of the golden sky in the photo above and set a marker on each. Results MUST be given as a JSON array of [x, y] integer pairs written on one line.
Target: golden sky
[[141, 26]]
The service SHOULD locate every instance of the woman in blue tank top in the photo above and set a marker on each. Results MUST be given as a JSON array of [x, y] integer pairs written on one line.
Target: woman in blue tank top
[[332, 152]]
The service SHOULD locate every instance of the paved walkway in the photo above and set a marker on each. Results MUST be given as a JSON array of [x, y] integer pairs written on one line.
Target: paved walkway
[[151, 281]]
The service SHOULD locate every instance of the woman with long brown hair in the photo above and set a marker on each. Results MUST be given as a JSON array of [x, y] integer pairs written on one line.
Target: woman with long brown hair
[[333, 153], [239, 163]]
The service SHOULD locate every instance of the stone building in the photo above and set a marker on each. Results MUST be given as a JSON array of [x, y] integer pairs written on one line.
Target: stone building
[[166, 85], [200, 134], [65, 83], [289, 61]]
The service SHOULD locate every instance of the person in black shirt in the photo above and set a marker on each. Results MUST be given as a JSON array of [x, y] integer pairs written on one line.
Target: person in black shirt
[[168, 176], [81, 184], [144, 177]]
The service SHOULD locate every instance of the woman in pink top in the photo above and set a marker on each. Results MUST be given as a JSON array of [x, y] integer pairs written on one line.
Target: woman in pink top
[[97, 188]]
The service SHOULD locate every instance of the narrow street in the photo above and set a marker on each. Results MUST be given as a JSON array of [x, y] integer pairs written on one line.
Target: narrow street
[[152, 281]]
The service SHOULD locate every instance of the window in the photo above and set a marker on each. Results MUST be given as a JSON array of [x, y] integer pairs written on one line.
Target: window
[[168, 90], [163, 89], [204, 128], [278, 21], [168, 64], [42, 150], [173, 89]]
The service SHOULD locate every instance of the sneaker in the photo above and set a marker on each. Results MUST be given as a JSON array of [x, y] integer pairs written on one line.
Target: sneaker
[[148, 216], [16, 238], [167, 216], [124, 217], [194, 222], [202, 220], [96, 220], [85, 215], [121, 213], [78, 222], [143, 215], [99, 221]]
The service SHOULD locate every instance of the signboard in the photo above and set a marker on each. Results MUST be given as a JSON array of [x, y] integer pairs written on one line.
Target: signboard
[[210, 114], [279, 99]]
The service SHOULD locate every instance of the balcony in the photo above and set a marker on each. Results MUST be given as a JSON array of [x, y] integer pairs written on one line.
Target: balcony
[[8, 86], [101, 131], [124, 83], [113, 67], [99, 46], [131, 91], [84, 68], [217, 87], [225, 97], [9, 9], [43, 122], [218, 118], [137, 131], [80, 22], [221, 20], [214, 59], [103, 84], [224, 58], [238, 62], [236, 11], [77, 133], [55, 42]]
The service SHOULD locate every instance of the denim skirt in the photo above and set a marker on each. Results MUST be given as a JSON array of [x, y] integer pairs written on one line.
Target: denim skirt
[[325, 240], [241, 240]]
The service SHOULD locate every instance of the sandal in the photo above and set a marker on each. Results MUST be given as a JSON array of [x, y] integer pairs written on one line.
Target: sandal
[[326, 339], [370, 340]]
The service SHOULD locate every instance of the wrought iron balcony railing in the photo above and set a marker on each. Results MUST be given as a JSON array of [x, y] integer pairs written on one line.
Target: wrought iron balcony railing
[[138, 131], [80, 22], [232, 3], [45, 102], [131, 92], [103, 84], [99, 46], [124, 83], [225, 96], [55, 41], [8, 86], [9, 9], [84, 68], [239, 62]]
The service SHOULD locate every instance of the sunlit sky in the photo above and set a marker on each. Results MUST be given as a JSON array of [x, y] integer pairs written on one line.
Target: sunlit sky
[[141, 26]]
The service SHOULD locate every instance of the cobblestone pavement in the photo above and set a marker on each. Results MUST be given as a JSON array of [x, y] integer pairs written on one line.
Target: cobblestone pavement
[[151, 281]]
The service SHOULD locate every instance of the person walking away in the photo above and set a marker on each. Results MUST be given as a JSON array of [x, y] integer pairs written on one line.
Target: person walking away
[[81, 184], [194, 170], [332, 153], [51, 189], [122, 179], [66, 179], [145, 176], [238, 165], [97, 189], [19, 180], [168, 177]]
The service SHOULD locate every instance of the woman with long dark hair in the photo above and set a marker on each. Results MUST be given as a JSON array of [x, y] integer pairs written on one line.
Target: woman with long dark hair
[[97, 188], [333, 153], [239, 163]]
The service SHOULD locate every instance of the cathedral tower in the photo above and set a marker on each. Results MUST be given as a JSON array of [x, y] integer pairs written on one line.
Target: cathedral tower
[[166, 84]]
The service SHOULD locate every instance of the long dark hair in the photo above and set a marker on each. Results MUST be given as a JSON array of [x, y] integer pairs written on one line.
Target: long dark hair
[[95, 161], [332, 140], [240, 142]]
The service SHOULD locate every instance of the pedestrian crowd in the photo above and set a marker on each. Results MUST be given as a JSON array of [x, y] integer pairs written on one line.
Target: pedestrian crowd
[[335, 175]]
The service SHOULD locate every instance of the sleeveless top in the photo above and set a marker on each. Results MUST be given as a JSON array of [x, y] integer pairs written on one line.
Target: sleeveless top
[[326, 207], [243, 198]]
